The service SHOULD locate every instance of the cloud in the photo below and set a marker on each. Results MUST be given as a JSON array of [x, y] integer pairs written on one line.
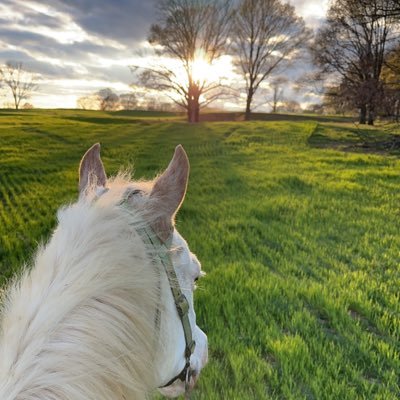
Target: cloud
[[94, 41], [124, 21], [313, 11], [75, 40]]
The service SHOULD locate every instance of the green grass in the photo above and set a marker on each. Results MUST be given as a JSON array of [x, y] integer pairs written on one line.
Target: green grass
[[300, 239]]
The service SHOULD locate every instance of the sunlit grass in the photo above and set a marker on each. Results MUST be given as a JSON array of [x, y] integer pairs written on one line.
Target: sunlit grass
[[300, 240]]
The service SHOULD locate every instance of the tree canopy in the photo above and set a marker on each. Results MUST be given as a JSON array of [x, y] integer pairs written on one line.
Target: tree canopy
[[265, 34], [352, 45], [189, 32]]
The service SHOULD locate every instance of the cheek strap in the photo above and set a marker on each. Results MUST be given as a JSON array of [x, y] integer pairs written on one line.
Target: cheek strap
[[181, 302]]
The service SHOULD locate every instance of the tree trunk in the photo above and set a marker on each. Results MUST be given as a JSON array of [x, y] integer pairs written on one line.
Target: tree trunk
[[248, 104], [363, 114], [193, 104], [191, 113], [275, 99], [197, 112], [194, 113], [193, 110], [397, 111], [371, 115]]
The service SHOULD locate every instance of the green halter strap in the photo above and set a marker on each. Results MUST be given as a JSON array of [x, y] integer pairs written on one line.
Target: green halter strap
[[181, 303]]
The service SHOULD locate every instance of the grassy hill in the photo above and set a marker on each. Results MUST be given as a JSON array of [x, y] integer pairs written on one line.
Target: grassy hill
[[296, 222]]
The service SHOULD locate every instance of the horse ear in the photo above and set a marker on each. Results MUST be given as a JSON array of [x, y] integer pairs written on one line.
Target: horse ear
[[169, 191], [91, 170]]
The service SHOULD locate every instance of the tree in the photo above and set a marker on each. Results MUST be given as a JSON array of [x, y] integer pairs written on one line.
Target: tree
[[385, 8], [192, 33], [352, 45], [338, 99], [277, 92], [291, 106], [89, 102], [265, 34], [391, 84], [21, 82], [128, 101], [108, 99], [104, 99], [315, 108]]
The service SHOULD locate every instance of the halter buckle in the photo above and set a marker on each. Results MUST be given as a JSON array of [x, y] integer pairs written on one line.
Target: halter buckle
[[190, 349], [182, 305]]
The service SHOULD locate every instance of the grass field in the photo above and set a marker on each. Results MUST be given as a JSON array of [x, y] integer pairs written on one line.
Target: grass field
[[296, 223]]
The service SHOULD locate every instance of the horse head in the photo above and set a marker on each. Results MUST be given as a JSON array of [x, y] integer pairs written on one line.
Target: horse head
[[178, 363]]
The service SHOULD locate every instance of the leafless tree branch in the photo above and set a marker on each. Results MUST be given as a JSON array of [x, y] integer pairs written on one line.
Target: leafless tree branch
[[265, 33], [187, 30], [21, 82]]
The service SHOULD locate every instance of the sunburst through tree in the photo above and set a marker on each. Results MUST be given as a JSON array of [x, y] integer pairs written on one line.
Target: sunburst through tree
[[190, 39]]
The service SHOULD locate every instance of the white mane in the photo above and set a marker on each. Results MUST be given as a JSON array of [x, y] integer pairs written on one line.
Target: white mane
[[91, 291]]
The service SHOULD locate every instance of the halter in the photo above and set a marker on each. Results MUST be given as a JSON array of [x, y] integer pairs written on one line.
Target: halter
[[181, 303]]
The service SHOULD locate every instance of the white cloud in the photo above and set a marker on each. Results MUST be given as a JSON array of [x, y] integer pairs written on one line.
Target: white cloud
[[313, 11], [80, 47]]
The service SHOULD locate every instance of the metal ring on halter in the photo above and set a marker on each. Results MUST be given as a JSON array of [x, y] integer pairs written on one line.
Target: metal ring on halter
[[187, 379]]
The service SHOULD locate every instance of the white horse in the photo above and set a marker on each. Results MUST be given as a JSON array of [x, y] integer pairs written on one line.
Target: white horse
[[95, 317]]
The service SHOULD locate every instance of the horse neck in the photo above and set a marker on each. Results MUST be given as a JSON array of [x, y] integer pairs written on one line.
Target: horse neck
[[80, 324]]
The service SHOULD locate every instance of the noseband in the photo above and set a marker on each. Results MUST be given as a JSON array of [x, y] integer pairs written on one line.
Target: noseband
[[181, 303]]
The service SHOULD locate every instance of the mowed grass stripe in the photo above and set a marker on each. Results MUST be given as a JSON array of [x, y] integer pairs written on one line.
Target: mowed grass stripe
[[300, 239]]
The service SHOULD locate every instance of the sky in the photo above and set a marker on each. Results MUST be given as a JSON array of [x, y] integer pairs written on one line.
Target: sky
[[77, 47]]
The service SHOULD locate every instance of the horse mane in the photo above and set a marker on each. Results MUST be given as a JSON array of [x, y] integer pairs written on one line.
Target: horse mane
[[80, 324]]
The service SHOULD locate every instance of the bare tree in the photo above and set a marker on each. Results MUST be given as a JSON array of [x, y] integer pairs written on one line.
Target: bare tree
[[391, 83], [352, 45], [188, 31], [89, 102], [339, 99], [265, 33], [104, 99], [28, 106], [108, 99], [277, 92], [128, 101], [315, 108], [291, 106], [388, 8], [21, 82]]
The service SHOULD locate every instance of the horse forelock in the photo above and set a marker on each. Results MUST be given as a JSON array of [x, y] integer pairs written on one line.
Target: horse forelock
[[80, 323]]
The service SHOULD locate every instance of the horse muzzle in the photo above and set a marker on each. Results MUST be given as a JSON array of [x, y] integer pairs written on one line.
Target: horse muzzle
[[197, 362]]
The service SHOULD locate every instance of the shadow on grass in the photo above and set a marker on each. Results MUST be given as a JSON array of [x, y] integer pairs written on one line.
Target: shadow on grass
[[356, 140], [300, 117], [145, 114], [112, 120], [238, 116]]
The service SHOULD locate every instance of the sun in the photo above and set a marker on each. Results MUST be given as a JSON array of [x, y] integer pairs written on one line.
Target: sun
[[202, 71]]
